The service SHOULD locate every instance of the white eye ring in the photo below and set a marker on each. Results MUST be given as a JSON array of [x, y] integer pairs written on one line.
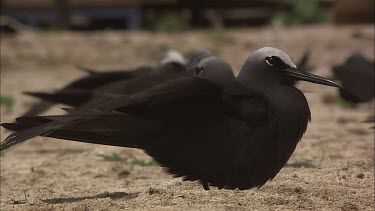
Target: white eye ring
[[269, 63]]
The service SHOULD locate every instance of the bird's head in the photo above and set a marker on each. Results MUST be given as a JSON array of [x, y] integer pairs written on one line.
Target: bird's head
[[273, 65], [214, 67], [195, 59], [171, 56]]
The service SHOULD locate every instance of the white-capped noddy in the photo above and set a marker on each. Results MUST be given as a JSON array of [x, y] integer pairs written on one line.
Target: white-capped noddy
[[228, 133]]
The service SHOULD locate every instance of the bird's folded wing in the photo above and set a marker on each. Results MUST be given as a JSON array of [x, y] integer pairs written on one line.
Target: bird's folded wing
[[95, 80], [136, 84], [47, 125], [178, 90], [140, 71], [162, 94], [67, 97], [74, 97], [126, 117]]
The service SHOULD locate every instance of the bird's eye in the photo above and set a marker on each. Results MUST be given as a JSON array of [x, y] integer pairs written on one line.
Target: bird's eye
[[198, 70], [271, 61]]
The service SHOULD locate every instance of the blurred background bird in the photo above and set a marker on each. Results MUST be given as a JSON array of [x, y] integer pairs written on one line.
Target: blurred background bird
[[357, 75]]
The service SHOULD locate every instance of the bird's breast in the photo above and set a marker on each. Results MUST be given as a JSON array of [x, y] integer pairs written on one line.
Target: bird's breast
[[291, 115]]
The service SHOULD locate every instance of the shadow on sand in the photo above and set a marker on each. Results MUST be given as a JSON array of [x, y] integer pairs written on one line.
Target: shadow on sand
[[301, 164], [114, 196]]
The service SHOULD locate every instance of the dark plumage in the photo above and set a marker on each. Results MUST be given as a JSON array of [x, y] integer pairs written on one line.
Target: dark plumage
[[171, 61], [89, 82], [357, 76], [169, 69], [225, 132]]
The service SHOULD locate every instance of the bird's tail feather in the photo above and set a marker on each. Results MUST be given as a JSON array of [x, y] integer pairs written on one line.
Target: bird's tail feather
[[79, 111], [72, 98], [30, 127], [15, 126], [23, 135], [114, 129], [87, 137]]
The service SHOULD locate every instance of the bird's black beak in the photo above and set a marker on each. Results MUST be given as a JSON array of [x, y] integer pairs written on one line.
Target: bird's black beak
[[305, 76]]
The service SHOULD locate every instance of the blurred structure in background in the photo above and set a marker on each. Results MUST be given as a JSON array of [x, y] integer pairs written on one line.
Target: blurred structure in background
[[352, 11], [80, 14], [358, 78], [156, 14], [176, 15]]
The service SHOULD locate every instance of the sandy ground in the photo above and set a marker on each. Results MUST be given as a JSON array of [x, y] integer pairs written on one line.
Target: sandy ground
[[331, 169]]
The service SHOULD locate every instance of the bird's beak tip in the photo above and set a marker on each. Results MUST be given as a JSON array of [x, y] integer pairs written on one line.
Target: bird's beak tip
[[306, 76]]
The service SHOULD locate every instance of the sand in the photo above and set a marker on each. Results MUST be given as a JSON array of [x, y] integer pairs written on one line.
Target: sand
[[331, 169]]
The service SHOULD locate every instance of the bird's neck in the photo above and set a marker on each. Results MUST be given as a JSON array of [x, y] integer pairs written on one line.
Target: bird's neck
[[265, 86], [282, 96]]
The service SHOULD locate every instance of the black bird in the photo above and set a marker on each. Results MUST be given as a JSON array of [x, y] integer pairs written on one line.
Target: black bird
[[228, 133], [357, 76], [168, 70], [170, 61]]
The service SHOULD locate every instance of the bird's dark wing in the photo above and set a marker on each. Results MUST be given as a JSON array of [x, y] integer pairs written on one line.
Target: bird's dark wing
[[14, 126], [163, 94], [68, 97], [89, 82], [74, 97], [138, 84], [137, 72], [150, 104], [93, 81], [77, 97], [88, 98], [38, 127]]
